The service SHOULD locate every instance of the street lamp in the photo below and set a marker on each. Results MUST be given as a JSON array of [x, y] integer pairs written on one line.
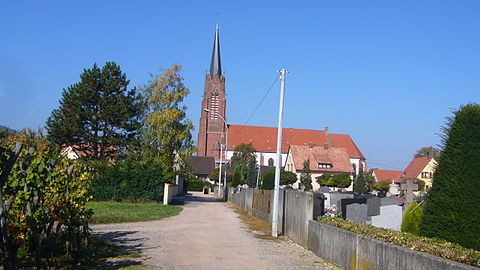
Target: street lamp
[[226, 149]]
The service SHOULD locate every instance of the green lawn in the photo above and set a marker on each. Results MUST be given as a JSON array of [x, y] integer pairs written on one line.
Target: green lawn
[[114, 212]]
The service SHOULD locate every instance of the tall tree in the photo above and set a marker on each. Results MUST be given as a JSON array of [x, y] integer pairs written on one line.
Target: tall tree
[[98, 115], [244, 164], [452, 210], [363, 181], [428, 151], [167, 131], [306, 176]]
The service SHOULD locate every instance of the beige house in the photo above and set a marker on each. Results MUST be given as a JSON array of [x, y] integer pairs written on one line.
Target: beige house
[[323, 160], [419, 168]]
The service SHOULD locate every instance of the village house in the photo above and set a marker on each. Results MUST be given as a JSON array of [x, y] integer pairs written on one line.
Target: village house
[[385, 175], [419, 168]]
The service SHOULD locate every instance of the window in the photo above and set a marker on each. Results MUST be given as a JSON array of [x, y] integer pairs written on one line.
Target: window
[[270, 162], [325, 165], [214, 107], [427, 175]]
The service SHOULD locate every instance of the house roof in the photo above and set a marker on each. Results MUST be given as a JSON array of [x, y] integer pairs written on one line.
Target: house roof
[[386, 175], [201, 165], [337, 157], [414, 168], [264, 139]]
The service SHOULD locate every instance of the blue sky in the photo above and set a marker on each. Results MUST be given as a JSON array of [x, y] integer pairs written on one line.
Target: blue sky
[[385, 72]]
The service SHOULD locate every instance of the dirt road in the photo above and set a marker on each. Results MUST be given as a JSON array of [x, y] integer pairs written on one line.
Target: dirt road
[[205, 235]]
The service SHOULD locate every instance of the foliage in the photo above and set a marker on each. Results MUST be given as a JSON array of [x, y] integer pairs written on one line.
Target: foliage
[[194, 184], [428, 151], [167, 131], [43, 191], [382, 186], [213, 176], [420, 183], [412, 218], [452, 204], [363, 181], [129, 180], [306, 177], [98, 115], [286, 178], [114, 212], [342, 180], [431, 246], [244, 165]]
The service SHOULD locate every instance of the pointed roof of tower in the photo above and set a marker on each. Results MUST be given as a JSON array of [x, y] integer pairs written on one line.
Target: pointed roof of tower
[[215, 65]]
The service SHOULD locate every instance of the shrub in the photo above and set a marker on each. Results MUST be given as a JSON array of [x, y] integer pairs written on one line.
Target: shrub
[[411, 219], [237, 180], [306, 177], [286, 178], [194, 184], [342, 180], [129, 180], [382, 186], [452, 204], [431, 246]]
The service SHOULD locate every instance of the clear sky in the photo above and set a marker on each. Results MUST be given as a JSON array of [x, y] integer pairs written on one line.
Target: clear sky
[[385, 72]]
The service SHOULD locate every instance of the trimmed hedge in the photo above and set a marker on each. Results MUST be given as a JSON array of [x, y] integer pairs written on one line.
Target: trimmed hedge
[[436, 247], [194, 184]]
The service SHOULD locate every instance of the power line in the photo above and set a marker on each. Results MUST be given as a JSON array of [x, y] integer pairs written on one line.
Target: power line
[[261, 101]]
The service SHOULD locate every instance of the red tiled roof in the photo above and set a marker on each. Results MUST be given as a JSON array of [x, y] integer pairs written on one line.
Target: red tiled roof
[[264, 139], [337, 157], [386, 175], [414, 168]]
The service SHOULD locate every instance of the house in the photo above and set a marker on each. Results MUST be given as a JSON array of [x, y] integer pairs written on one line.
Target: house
[[385, 175], [215, 133], [326, 159], [419, 168], [201, 166]]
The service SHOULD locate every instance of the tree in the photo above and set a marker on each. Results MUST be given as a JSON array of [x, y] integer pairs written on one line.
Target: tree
[[428, 151], [306, 176], [98, 115], [244, 164], [213, 176], [342, 180], [382, 186], [363, 181], [286, 178], [167, 131], [452, 203], [411, 219]]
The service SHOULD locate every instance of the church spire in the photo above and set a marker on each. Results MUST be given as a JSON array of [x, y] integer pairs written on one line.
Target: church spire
[[215, 65]]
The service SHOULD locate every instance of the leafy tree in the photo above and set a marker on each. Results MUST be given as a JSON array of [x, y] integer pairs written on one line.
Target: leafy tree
[[382, 186], [244, 164], [97, 115], [363, 181], [428, 151], [411, 219], [452, 203], [167, 131], [421, 184], [306, 176], [342, 180], [286, 178], [213, 176]]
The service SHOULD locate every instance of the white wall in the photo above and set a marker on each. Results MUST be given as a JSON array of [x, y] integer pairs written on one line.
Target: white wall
[[266, 156]]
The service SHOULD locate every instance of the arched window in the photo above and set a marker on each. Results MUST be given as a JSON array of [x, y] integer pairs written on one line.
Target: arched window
[[214, 107], [270, 162]]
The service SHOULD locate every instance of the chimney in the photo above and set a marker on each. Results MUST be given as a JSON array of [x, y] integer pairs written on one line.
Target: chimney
[[326, 129], [311, 145], [325, 146]]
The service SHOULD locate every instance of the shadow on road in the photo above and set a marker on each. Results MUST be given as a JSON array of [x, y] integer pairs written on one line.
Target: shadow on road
[[195, 197]]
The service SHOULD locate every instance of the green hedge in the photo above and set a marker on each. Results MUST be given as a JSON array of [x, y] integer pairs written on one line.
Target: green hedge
[[194, 184], [436, 247], [129, 181], [412, 219]]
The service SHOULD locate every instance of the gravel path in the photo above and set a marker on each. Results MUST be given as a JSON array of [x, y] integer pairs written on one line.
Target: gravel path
[[205, 235]]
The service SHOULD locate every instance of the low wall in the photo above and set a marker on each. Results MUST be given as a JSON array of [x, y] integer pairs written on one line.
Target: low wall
[[298, 211], [169, 191], [353, 251]]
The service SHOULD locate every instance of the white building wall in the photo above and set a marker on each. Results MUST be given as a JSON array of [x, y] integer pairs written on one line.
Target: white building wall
[[266, 157]]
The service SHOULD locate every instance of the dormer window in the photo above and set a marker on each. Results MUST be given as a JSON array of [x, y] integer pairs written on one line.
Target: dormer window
[[325, 165]]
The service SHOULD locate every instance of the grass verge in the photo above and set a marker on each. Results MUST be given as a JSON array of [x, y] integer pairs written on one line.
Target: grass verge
[[260, 228], [115, 212]]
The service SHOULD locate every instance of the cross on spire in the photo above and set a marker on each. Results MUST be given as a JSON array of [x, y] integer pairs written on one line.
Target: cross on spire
[[215, 65]]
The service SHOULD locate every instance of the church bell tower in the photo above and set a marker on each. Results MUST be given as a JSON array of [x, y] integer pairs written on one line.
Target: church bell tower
[[213, 112]]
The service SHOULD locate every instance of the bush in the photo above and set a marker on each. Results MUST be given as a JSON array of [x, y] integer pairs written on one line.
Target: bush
[[452, 203], [194, 184], [412, 218], [431, 246], [129, 181], [382, 186], [342, 180], [286, 178]]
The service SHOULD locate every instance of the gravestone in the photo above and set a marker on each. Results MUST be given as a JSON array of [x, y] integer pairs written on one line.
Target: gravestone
[[346, 202], [373, 206], [394, 189], [327, 199], [409, 187], [325, 189], [390, 217], [357, 212], [318, 205], [336, 198], [389, 201]]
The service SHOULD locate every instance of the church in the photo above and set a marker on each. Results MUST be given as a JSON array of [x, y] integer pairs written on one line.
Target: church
[[215, 133]]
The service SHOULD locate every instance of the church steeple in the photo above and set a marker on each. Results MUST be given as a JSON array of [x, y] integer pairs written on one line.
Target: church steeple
[[215, 64]]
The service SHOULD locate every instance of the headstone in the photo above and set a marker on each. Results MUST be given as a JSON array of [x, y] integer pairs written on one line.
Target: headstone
[[373, 206], [409, 187], [346, 202], [394, 189], [327, 199], [336, 198], [325, 189], [390, 217], [318, 205], [357, 212], [381, 194], [389, 201]]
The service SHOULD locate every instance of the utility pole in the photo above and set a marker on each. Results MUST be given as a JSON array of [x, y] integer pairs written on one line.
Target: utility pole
[[276, 192]]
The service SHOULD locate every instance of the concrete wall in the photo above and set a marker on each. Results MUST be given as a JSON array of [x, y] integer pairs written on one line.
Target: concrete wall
[[353, 251], [298, 211], [169, 191]]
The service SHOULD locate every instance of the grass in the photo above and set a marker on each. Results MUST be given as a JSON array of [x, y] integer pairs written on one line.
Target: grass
[[115, 212], [260, 228]]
